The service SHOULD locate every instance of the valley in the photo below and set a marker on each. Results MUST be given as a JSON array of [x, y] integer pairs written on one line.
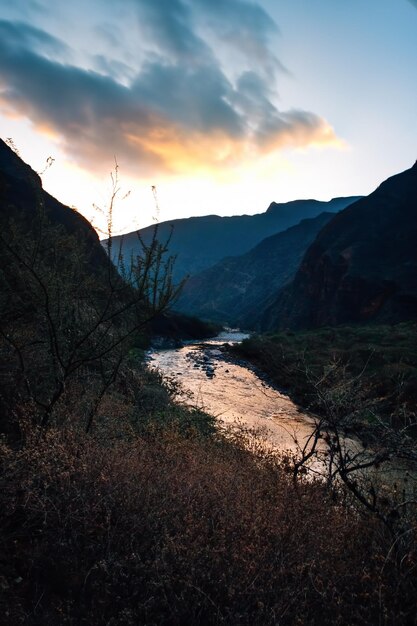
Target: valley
[[208, 313], [199, 461]]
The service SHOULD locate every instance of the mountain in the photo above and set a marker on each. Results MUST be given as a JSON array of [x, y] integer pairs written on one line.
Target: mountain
[[67, 318], [27, 209], [362, 266], [22, 197], [200, 242], [235, 289]]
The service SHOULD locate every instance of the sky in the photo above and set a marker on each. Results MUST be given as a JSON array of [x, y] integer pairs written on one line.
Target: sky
[[222, 106]]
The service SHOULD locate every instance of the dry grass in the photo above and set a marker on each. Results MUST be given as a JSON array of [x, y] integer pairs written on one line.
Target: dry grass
[[170, 529]]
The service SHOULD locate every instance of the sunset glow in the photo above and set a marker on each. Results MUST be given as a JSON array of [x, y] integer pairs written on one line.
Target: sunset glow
[[224, 106]]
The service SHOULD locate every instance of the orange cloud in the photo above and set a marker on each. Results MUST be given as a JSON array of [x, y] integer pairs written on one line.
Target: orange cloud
[[181, 151], [172, 118]]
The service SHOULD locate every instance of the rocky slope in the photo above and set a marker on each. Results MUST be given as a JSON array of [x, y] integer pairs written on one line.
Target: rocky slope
[[200, 242], [362, 267], [236, 289]]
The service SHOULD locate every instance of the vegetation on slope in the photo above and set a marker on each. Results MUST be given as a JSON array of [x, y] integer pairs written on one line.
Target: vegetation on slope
[[376, 365], [179, 326], [175, 529]]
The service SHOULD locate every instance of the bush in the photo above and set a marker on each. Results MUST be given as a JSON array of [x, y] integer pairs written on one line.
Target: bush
[[65, 323], [382, 359], [174, 530]]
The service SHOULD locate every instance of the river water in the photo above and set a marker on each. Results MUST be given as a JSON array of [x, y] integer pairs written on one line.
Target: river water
[[232, 392], [235, 394]]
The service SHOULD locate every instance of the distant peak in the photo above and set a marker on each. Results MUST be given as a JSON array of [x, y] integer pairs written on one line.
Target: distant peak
[[294, 204], [291, 203]]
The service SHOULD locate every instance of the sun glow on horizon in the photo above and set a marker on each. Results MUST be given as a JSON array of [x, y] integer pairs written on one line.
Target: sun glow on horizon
[[225, 107]]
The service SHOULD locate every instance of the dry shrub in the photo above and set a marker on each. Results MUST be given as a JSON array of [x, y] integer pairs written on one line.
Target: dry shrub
[[177, 530]]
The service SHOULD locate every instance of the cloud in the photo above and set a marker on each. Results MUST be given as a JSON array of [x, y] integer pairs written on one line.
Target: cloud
[[169, 25], [246, 28], [179, 111], [16, 36]]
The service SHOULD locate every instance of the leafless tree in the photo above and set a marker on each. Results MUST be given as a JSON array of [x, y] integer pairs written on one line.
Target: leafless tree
[[65, 318]]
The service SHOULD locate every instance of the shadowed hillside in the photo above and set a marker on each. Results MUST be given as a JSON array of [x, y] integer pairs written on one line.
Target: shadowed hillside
[[200, 242], [22, 197], [68, 320], [362, 266], [236, 289]]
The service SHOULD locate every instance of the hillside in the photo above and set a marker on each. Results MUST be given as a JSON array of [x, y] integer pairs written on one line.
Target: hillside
[[22, 198], [200, 242], [236, 289], [362, 267], [68, 321]]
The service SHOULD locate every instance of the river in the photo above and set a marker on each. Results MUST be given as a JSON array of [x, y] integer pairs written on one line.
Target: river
[[237, 396], [233, 392]]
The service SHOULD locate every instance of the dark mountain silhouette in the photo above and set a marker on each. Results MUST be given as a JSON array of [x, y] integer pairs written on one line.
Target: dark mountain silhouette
[[22, 197], [237, 288], [24, 201], [362, 266], [200, 242]]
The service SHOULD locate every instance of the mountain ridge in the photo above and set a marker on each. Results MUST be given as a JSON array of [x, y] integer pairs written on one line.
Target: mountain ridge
[[233, 290], [200, 242], [362, 266]]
